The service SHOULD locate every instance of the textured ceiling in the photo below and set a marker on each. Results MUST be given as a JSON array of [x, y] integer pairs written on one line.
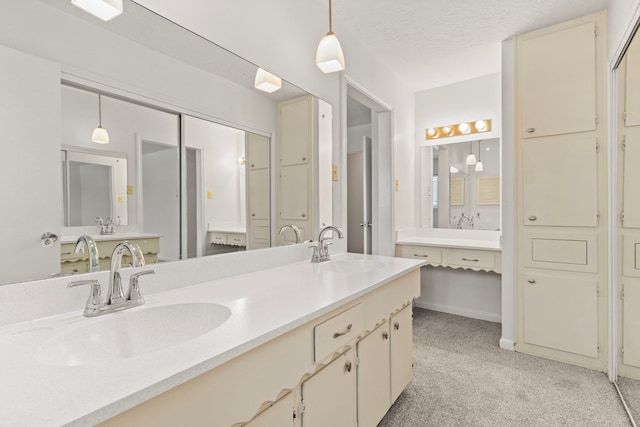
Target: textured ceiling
[[431, 43]]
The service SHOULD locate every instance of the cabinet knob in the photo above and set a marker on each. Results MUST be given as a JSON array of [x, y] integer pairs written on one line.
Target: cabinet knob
[[304, 159], [253, 214], [347, 366], [533, 218], [531, 281], [253, 165], [396, 326], [385, 335], [531, 130], [346, 331], [304, 215]]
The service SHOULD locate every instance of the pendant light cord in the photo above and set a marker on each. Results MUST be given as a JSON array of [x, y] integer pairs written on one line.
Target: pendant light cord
[[330, 26], [99, 110]]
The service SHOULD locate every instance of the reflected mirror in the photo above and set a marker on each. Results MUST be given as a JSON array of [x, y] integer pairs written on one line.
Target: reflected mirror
[[185, 193], [462, 183]]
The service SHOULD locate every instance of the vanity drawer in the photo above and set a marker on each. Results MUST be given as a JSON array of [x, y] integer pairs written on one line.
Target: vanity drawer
[[336, 332], [431, 255], [148, 246], [561, 251], [471, 259], [217, 238], [237, 239]]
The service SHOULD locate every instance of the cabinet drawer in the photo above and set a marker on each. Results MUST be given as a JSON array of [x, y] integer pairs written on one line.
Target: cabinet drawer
[[472, 259], [217, 238], [148, 246], [561, 251], [237, 239], [431, 255], [334, 333]]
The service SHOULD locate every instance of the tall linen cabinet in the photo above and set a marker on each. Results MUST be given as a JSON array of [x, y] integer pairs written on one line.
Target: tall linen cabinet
[[561, 192]]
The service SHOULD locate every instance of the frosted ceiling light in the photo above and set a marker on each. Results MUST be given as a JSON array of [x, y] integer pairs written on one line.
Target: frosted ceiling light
[[103, 9], [267, 82], [453, 169], [100, 135], [329, 56], [471, 158]]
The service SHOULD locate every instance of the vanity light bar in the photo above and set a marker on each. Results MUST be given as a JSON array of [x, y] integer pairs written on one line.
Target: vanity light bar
[[464, 128]]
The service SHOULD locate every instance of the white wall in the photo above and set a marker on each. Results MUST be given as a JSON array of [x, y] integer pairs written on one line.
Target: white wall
[[354, 137], [474, 294]]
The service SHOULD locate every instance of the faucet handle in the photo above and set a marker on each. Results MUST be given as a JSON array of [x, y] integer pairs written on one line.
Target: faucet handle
[[95, 301], [134, 293]]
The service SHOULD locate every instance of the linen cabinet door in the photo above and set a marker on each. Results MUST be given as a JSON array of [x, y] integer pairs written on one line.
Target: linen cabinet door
[[374, 377], [632, 85], [259, 194], [557, 88], [280, 414], [294, 193], [560, 180], [329, 396], [296, 130], [561, 312], [630, 188], [631, 322], [401, 325], [257, 151]]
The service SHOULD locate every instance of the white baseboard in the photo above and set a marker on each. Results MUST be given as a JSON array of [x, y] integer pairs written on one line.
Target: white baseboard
[[507, 344], [474, 314]]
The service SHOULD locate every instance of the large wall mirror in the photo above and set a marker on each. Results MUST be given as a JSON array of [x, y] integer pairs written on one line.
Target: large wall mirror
[[627, 77], [190, 167], [461, 185]]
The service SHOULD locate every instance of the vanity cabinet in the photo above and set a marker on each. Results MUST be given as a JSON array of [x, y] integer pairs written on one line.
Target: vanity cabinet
[[323, 385], [329, 396], [561, 192], [464, 258], [374, 376], [71, 262]]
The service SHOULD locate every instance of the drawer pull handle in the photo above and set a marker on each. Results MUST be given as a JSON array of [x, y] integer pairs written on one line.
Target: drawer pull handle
[[471, 259], [531, 281], [347, 366], [421, 256], [531, 130], [385, 336], [346, 331], [396, 326], [533, 218]]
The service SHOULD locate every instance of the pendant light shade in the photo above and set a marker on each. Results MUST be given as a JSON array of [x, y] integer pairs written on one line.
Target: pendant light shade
[[479, 165], [329, 56], [100, 134], [471, 158], [267, 82], [103, 9]]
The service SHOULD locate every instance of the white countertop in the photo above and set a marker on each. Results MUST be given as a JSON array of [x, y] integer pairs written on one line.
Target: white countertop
[[450, 238], [109, 237], [264, 305], [451, 243], [227, 229]]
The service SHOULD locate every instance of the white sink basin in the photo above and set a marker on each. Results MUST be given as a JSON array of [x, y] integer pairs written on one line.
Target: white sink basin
[[127, 334], [355, 265]]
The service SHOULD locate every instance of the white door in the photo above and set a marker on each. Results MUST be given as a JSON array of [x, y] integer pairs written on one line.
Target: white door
[[29, 114], [359, 207]]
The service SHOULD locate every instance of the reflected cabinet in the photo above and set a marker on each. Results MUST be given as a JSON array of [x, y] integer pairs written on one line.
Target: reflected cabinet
[[561, 192]]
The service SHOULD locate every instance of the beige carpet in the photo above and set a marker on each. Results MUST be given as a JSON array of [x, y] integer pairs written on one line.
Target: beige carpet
[[462, 378], [630, 390]]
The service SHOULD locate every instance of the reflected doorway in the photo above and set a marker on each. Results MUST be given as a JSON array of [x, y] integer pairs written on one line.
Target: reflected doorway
[[359, 197]]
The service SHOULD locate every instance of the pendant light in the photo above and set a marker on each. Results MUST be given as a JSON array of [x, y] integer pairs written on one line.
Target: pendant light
[[329, 56], [471, 158], [479, 165], [100, 135], [266, 81]]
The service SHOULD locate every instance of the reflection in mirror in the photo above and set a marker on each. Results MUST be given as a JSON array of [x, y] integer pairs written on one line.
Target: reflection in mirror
[[94, 186], [627, 76], [464, 195]]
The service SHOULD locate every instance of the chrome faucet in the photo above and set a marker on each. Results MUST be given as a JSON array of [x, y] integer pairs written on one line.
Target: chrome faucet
[[321, 249], [83, 242], [115, 299], [295, 229], [462, 218], [105, 226]]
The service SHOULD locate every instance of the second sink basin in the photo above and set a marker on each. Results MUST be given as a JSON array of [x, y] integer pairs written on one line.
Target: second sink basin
[[352, 265], [130, 333]]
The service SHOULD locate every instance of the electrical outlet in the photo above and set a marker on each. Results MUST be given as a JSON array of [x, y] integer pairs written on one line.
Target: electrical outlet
[[334, 174], [130, 190], [209, 195], [397, 185]]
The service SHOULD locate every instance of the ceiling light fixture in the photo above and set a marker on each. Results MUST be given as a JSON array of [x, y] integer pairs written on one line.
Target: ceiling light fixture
[[100, 135], [462, 128], [267, 82], [329, 56], [471, 158], [479, 165], [480, 125], [103, 9], [431, 131]]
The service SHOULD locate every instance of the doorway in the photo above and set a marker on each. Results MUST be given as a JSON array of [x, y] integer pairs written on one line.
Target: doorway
[[369, 195]]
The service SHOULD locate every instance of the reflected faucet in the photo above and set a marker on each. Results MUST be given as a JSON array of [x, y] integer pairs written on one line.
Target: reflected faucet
[[94, 259], [295, 229], [321, 250], [115, 294]]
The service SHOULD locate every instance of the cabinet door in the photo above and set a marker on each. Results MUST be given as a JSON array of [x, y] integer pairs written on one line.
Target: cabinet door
[[557, 82], [631, 178], [294, 193], [257, 151], [631, 322], [401, 351], [561, 312], [329, 397], [280, 414], [632, 84], [258, 194], [296, 130], [374, 379], [561, 181]]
